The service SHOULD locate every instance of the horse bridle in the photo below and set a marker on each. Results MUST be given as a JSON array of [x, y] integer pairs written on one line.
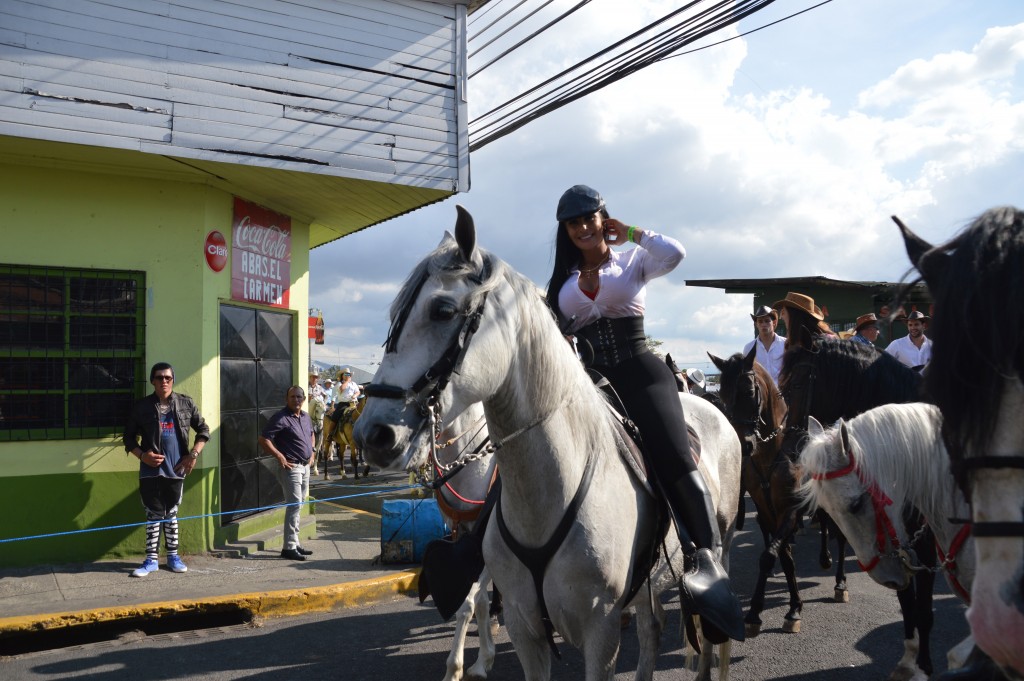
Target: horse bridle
[[759, 420], [989, 528], [427, 389], [884, 528]]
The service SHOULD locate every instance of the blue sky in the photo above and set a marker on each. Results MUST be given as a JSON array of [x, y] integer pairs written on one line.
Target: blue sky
[[782, 153]]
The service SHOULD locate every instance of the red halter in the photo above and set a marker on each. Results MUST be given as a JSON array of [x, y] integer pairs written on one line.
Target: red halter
[[948, 561], [884, 529]]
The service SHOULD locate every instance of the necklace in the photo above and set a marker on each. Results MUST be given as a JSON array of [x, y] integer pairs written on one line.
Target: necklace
[[595, 268]]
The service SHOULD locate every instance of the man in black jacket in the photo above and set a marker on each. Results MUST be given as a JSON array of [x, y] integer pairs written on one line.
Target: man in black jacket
[[157, 435]]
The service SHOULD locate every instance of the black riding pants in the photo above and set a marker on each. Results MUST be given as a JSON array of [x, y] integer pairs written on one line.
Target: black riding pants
[[648, 390]]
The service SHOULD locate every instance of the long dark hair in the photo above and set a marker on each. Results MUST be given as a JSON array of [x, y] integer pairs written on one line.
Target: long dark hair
[[802, 329], [567, 256]]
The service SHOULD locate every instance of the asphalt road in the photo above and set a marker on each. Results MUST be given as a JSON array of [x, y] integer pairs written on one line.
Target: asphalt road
[[401, 639]]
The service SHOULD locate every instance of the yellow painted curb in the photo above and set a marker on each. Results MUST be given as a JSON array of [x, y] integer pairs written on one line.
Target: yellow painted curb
[[266, 604]]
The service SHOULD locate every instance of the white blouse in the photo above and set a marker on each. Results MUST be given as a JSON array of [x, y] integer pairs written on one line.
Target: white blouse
[[623, 279]]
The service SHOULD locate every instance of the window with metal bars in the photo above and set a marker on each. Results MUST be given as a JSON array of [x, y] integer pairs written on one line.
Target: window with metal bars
[[72, 351]]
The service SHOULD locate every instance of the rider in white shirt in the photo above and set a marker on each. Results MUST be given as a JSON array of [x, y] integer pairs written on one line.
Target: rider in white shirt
[[914, 349], [770, 345]]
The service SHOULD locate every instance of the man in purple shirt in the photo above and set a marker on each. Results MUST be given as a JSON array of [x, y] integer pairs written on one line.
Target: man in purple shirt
[[289, 437]]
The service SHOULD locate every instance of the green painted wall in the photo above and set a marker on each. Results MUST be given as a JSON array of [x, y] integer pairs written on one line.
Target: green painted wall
[[93, 217]]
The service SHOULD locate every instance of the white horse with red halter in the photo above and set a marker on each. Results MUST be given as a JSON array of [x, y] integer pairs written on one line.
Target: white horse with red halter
[[466, 328], [865, 471]]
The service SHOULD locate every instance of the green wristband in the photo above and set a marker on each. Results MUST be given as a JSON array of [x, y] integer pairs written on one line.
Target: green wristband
[[629, 233]]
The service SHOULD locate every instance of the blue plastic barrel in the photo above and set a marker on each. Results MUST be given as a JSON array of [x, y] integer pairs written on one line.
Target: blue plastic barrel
[[407, 526]]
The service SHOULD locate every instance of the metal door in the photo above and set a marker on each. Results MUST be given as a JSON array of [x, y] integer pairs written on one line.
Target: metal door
[[255, 374]]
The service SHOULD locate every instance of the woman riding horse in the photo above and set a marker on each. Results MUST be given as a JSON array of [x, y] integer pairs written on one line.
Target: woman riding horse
[[598, 295]]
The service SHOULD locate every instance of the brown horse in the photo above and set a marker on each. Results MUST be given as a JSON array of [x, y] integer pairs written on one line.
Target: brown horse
[[342, 436], [757, 412]]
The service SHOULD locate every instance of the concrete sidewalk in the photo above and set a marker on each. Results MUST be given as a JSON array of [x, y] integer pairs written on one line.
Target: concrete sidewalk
[[249, 580]]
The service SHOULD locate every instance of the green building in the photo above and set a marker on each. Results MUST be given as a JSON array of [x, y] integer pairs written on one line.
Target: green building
[[164, 173], [841, 301]]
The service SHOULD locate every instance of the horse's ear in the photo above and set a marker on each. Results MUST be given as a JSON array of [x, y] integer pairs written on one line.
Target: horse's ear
[[465, 233], [748, 361], [814, 428], [671, 363], [915, 245], [934, 265], [446, 238], [844, 436], [719, 362]]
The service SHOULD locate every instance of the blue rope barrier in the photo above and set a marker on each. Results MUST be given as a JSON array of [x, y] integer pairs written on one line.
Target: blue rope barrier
[[205, 515]]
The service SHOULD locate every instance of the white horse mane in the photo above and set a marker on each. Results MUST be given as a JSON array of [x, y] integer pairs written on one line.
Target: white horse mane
[[921, 474]]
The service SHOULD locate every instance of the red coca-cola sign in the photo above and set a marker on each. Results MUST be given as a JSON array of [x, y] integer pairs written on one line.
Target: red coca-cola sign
[[261, 255], [216, 251]]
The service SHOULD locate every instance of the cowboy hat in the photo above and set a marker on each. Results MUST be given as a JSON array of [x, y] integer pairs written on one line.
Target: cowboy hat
[[765, 311], [313, 371], [800, 302], [864, 320], [696, 376], [917, 314]]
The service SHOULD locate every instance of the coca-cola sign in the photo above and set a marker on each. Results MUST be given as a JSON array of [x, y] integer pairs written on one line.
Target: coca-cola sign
[[216, 250], [262, 254]]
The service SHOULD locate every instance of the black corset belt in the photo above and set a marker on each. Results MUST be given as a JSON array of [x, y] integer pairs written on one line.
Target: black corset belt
[[612, 341]]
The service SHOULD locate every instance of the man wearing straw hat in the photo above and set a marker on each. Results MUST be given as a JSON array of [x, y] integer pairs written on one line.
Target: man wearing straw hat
[[770, 345], [866, 329], [914, 349]]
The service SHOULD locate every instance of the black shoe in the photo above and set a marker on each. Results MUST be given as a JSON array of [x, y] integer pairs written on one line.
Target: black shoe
[[292, 554], [704, 590], [305, 552]]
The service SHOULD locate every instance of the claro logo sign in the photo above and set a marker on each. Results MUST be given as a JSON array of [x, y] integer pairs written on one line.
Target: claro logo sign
[[216, 248]]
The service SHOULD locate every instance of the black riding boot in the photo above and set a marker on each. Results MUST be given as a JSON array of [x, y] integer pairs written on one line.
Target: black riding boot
[[704, 587]]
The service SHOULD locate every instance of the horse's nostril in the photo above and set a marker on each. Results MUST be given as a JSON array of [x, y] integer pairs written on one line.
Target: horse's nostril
[[381, 437]]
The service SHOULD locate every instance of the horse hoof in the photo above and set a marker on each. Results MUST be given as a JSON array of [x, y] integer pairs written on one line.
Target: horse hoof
[[791, 626], [366, 471], [752, 630], [841, 596]]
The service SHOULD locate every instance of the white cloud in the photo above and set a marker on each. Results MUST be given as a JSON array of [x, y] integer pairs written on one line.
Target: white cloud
[[777, 181]]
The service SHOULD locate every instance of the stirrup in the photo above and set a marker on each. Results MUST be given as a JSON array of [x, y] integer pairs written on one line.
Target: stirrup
[[704, 590]]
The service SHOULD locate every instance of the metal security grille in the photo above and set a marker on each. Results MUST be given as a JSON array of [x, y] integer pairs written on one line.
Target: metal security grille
[[71, 351]]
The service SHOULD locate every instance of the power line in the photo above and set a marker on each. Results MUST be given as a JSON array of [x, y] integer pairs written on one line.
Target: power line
[[574, 82], [607, 72], [529, 37]]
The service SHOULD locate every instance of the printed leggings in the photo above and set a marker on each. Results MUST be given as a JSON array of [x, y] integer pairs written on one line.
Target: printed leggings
[[160, 497]]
